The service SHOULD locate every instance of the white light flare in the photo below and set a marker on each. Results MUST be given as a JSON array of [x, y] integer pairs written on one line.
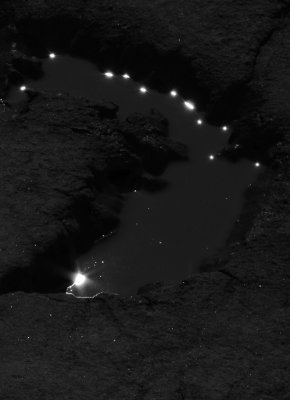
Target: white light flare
[[79, 279], [109, 74], [225, 128], [52, 56], [211, 157], [126, 76], [143, 89], [189, 105], [173, 93], [23, 88], [199, 122], [257, 164]]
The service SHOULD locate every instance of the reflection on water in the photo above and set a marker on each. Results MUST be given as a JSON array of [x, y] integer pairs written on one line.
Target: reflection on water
[[164, 235]]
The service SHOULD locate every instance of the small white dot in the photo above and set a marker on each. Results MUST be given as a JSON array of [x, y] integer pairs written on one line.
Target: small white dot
[[126, 76], [173, 93], [143, 89], [257, 164], [52, 55], [109, 74], [23, 88], [103, 262], [189, 105], [211, 157], [199, 122], [225, 128]]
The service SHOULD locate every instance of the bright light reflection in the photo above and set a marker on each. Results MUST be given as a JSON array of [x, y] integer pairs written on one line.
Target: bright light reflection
[[211, 157], [257, 164], [189, 105], [173, 93], [109, 74], [143, 89], [225, 128], [22, 88], [79, 279], [199, 122], [52, 55], [126, 76]]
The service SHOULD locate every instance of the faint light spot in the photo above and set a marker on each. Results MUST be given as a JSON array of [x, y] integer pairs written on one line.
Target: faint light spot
[[199, 122], [79, 279], [257, 164], [160, 242], [189, 105], [143, 89], [109, 74], [52, 55], [173, 93], [23, 88], [126, 76], [225, 128], [211, 157], [103, 262]]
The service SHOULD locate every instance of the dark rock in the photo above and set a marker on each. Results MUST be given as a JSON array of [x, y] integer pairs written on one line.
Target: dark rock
[[219, 335], [151, 142], [30, 67]]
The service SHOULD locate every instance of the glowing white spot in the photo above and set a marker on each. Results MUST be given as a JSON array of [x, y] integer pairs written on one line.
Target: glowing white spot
[[52, 55], [189, 105], [143, 89], [257, 164], [225, 128], [211, 157], [173, 93], [79, 279], [109, 74], [199, 122], [23, 88], [126, 76]]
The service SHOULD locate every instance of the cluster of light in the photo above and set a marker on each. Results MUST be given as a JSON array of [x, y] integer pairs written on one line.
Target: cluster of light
[[225, 128], [23, 88], [199, 122], [189, 105], [52, 55], [211, 157], [257, 164], [79, 279], [173, 93], [126, 76], [143, 89], [109, 74]]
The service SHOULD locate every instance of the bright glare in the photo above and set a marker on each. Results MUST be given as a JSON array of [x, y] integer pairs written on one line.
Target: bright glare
[[126, 76], [199, 122], [257, 164], [79, 279], [211, 157], [109, 74], [143, 89], [173, 93], [189, 105], [225, 128], [52, 55], [22, 88]]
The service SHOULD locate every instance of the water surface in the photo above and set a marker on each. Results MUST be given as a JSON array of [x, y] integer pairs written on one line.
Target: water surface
[[163, 236]]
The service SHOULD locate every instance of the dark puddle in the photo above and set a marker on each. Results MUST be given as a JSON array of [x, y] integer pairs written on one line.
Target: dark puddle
[[165, 232]]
